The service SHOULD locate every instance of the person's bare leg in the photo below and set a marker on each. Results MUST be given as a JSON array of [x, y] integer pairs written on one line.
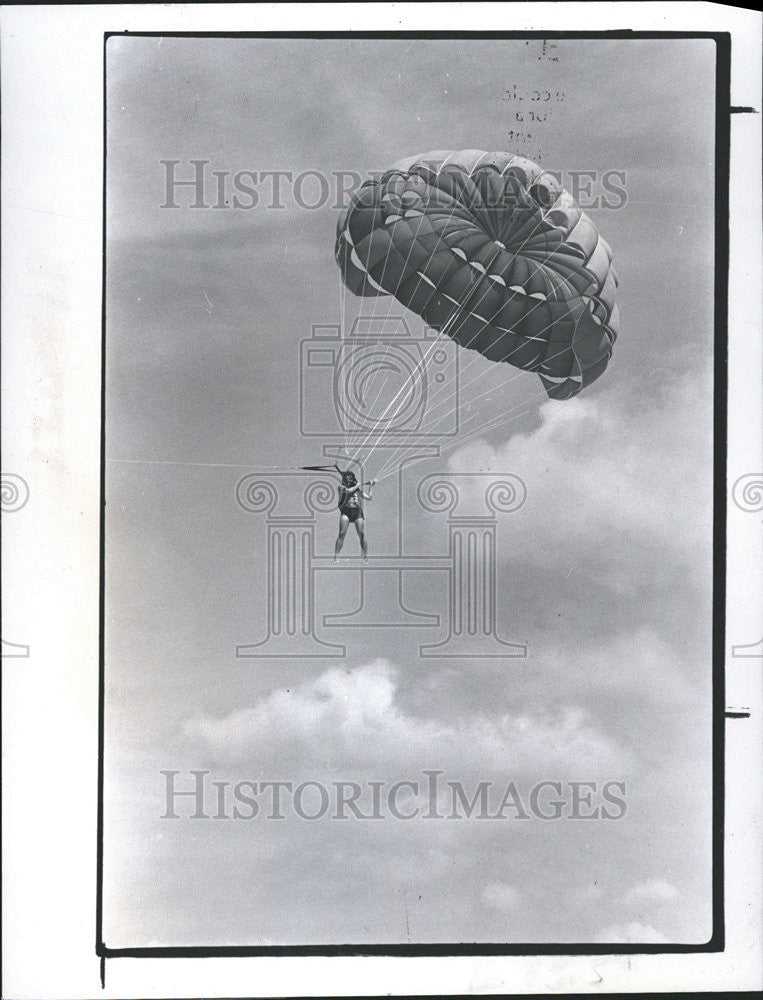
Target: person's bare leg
[[360, 527], [344, 522]]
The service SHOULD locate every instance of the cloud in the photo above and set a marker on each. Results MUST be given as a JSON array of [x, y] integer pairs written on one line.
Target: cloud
[[353, 719], [635, 667], [501, 897], [654, 890], [631, 933], [617, 490]]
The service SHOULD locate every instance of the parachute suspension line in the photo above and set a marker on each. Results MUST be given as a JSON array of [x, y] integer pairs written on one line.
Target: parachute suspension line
[[391, 467], [390, 304], [443, 332], [458, 311], [401, 451], [418, 373], [419, 367], [372, 320], [459, 308], [488, 424], [342, 304], [443, 407], [473, 290], [336, 388], [484, 424], [596, 281], [502, 420]]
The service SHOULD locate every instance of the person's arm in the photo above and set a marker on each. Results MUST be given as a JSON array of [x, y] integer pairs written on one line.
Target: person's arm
[[367, 496]]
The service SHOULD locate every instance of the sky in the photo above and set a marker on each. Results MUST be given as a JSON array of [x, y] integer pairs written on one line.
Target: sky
[[604, 572]]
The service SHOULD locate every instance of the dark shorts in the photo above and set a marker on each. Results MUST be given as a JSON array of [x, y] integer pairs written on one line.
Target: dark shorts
[[353, 513]]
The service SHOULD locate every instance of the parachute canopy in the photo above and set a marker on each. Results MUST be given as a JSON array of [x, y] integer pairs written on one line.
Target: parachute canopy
[[490, 249]]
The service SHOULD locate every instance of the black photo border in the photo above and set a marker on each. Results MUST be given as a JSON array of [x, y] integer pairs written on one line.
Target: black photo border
[[716, 942]]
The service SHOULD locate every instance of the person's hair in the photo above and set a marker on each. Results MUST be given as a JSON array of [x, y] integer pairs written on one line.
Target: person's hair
[[348, 478]]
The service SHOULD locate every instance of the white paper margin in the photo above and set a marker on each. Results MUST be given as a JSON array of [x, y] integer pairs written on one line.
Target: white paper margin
[[52, 66]]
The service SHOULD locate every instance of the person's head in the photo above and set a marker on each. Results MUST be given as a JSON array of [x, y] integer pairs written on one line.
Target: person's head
[[348, 478]]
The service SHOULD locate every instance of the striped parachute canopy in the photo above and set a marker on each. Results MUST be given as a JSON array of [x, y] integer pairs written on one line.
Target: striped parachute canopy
[[490, 249]]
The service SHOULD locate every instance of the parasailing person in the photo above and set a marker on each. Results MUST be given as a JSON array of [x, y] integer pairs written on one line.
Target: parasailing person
[[351, 497]]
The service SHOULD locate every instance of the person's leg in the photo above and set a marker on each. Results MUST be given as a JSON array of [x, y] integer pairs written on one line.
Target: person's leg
[[343, 525], [360, 527]]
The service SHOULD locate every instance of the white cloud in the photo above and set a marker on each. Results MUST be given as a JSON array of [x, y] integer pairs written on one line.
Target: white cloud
[[608, 486], [631, 933], [639, 663], [501, 896], [352, 720], [654, 890]]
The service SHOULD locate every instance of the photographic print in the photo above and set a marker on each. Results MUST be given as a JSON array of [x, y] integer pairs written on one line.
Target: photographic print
[[409, 469]]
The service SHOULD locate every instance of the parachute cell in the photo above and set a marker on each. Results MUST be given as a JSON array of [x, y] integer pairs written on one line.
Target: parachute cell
[[491, 250]]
